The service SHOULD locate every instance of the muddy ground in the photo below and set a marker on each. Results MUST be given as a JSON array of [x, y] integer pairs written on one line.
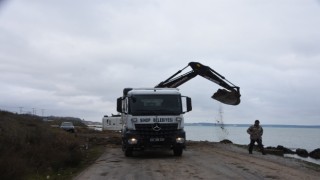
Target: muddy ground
[[200, 160]]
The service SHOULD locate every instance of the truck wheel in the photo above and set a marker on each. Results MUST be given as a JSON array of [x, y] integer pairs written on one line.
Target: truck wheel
[[177, 151], [128, 152]]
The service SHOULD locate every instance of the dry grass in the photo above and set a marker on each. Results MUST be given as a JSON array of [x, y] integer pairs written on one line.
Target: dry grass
[[30, 147]]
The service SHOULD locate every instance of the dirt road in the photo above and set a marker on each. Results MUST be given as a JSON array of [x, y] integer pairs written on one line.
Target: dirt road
[[199, 161]]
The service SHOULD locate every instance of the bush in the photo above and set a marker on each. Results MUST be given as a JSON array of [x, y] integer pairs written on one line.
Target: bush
[[28, 145], [12, 167]]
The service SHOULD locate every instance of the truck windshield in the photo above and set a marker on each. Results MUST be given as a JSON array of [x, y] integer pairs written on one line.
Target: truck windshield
[[155, 105]]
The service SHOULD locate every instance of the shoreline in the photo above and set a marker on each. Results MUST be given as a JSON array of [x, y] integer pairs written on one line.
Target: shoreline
[[272, 137], [247, 125], [269, 150]]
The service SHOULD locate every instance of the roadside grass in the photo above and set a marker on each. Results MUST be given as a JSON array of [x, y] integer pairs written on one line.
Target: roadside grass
[[32, 149], [89, 157]]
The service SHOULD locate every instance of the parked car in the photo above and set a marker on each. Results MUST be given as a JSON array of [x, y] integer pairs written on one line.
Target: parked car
[[67, 126]]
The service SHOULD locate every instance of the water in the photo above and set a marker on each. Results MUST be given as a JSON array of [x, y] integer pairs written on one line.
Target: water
[[293, 138]]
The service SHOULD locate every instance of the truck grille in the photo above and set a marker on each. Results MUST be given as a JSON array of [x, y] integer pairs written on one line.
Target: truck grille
[[158, 130]]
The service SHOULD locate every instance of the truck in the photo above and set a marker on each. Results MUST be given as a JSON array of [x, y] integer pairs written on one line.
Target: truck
[[112, 122], [153, 117]]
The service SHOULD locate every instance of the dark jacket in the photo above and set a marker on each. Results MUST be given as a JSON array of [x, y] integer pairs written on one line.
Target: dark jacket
[[255, 132]]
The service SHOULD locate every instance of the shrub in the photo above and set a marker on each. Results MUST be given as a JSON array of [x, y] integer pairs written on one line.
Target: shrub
[[28, 145]]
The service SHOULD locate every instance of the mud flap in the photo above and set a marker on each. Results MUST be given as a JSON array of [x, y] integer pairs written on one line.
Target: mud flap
[[227, 97]]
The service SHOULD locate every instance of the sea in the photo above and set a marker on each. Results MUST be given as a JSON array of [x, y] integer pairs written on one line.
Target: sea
[[289, 136]]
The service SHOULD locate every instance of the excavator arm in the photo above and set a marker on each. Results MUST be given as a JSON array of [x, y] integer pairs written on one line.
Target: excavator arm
[[230, 95]]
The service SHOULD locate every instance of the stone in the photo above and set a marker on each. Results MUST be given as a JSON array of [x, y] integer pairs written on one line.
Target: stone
[[274, 151], [302, 152], [315, 154], [285, 150], [226, 141]]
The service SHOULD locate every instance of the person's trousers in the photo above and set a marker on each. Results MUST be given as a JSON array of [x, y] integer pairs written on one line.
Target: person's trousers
[[259, 141]]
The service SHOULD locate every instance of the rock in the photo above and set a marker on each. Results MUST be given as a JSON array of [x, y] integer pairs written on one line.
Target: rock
[[302, 152], [226, 141], [285, 150], [273, 150], [315, 154]]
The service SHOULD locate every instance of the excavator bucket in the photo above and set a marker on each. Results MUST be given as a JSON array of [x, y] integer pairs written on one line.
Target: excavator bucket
[[227, 97]]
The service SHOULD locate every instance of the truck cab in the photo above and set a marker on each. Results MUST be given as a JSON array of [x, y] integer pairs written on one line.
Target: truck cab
[[153, 118]]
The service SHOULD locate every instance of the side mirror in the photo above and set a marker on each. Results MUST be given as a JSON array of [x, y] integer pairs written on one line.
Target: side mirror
[[119, 105], [189, 104]]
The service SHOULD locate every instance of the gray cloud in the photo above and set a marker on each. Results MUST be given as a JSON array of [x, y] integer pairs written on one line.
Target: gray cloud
[[74, 59]]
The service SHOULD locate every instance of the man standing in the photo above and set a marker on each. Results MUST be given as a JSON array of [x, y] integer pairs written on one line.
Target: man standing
[[256, 132]]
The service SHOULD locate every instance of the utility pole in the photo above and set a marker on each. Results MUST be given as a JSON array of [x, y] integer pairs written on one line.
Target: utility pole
[[20, 109], [34, 111], [42, 112]]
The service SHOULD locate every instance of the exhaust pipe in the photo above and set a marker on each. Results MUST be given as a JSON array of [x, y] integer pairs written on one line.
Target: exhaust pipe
[[227, 97]]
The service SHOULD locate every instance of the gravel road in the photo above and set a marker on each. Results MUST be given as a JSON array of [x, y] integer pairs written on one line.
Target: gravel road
[[199, 161]]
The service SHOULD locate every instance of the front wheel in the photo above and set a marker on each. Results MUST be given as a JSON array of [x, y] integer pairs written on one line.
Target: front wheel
[[128, 152], [177, 151]]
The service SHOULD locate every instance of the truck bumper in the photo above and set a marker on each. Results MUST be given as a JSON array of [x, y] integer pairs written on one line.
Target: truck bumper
[[139, 140]]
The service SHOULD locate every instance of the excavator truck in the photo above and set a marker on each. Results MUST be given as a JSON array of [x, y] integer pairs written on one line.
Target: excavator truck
[[153, 117]]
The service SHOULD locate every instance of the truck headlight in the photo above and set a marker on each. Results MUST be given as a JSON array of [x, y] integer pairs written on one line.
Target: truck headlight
[[132, 141], [180, 140]]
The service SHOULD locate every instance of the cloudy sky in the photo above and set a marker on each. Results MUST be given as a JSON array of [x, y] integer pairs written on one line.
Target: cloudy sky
[[73, 58]]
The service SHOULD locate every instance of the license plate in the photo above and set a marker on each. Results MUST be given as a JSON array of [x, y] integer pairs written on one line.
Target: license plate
[[156, 139]]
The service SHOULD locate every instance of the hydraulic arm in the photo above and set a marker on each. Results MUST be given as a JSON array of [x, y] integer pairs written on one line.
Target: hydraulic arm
[[230, 95]]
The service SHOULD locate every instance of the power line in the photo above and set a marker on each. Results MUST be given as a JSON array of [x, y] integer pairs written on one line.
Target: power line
[[22, 110]]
